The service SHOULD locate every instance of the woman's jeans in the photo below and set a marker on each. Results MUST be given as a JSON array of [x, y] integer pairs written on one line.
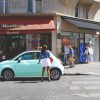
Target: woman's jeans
[[90, 58]]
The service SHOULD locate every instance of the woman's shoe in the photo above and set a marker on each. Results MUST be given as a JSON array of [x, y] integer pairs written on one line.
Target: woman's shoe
[[41, 80], [49, 80]]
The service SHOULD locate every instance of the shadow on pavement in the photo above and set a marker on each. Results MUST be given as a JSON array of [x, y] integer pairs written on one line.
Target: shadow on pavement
[[73, 74], [26, 80]]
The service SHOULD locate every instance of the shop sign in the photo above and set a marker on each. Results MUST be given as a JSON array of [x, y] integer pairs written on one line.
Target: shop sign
[[12, 32], [10, 25]]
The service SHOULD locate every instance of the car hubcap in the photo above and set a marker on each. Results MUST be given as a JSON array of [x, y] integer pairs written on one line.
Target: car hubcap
[[55, 74], [8, 75]]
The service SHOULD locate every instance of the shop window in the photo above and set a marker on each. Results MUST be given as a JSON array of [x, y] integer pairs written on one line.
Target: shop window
[[1, 6], [12, 45], [89, 38], [38, 6], [70, 38], [4, 6], [45, 39], [18, 6], [30, 6], [66, 38], [35, 41], [81, 11], [76, 10]]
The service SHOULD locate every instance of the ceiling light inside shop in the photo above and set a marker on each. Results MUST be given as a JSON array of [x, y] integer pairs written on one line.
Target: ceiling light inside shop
[[98, 33]]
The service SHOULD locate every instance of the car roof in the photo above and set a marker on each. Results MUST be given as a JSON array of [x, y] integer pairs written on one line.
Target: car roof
[[31, 51]]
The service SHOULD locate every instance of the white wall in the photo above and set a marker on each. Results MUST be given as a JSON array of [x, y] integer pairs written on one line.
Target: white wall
[[96, 48], [97, 0], [97, 16]]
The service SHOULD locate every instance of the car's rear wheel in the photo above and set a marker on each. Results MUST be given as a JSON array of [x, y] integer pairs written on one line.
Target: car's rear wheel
[[8, 75], [55, 74]]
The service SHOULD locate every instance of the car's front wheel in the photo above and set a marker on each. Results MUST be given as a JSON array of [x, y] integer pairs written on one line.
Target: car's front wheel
[[8, 75], [55, 74]]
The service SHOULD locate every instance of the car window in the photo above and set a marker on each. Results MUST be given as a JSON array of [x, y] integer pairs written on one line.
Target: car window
[[29, 56]]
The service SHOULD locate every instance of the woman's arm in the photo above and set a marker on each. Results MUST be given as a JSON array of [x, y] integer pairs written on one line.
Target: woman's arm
[[40, 58]]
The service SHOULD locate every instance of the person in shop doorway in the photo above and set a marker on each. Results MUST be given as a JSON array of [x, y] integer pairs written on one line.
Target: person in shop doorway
[[90, 49], [45, 61], [66, 53], [86, 55]]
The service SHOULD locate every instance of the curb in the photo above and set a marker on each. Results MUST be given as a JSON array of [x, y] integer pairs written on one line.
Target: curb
[[77, 74]]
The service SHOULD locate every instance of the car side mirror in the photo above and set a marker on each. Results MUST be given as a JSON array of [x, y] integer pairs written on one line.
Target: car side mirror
[[19, 60]]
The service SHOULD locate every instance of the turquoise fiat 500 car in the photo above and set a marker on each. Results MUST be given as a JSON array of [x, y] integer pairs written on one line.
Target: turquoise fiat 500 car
[[26, 65]]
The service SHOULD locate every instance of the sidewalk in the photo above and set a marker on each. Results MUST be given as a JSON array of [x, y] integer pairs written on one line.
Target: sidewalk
[[79, 69]]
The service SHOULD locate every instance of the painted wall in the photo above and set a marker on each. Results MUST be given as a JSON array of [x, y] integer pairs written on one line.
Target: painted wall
[[54, 43], [97, 16], [67, 7], [93, 13]]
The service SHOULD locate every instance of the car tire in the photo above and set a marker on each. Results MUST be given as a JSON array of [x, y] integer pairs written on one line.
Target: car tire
[[55, 74], [7, 75]]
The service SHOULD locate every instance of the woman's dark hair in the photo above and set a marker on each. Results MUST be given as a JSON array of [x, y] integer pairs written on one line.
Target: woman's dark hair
[[44, 47]]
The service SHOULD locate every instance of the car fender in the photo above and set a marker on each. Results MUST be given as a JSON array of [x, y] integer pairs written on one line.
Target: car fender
[[58, 66]]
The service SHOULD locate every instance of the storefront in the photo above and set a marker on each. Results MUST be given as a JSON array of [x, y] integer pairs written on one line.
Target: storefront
[[78, 33], [20, 33], [78, 41]]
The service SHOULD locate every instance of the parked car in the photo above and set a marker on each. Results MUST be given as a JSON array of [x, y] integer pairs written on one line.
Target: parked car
[[26, 65]]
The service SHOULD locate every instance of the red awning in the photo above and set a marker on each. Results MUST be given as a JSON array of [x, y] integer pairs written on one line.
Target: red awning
[[28, 26], [45, 25]]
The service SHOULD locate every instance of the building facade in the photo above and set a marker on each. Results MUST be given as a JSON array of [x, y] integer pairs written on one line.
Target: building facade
[[27, 24], [78, 22]]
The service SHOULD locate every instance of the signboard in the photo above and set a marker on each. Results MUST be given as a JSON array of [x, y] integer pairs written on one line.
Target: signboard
[[35, 41]]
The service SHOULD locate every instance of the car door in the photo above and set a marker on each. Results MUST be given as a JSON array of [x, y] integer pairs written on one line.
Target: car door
[[28, 65]]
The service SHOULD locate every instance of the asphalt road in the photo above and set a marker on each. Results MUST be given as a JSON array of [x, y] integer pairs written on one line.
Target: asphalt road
[[71, 87]]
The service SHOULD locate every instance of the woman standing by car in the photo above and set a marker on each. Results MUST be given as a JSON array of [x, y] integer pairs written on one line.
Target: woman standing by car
[[45, 61]]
